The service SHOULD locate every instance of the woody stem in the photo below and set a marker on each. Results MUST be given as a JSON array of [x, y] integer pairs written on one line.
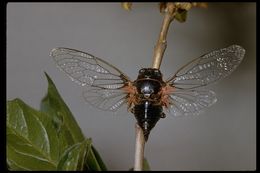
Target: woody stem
[[161, 44], [139, 148], [157, 58]]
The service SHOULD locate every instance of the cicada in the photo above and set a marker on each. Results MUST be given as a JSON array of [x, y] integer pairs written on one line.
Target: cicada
[[147, 97]]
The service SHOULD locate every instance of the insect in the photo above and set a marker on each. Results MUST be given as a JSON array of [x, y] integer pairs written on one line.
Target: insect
[[149, 95]]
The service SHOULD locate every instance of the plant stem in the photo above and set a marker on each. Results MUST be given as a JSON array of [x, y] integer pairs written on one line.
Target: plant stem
[[139, 148], [157, 59], [162, 43]]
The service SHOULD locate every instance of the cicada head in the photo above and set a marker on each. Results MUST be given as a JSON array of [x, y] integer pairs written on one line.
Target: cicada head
[[148, 82], [150, 73]]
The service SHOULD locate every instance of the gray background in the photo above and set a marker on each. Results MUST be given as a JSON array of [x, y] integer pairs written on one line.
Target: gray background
[[223, 138]]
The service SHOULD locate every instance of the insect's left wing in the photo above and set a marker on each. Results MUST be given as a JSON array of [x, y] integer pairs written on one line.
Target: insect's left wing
[[105, 99], [183, 98], [104, 81]]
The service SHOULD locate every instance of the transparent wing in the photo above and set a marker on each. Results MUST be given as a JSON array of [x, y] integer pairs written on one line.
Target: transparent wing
[[208, 68], [104, 81], [86, 69], [183, 99], [105, 99], [190, 102]]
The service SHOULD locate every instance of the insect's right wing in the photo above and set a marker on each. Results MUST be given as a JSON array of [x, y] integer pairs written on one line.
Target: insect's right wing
[[183, 96], [104, 82], [190, 102], [208, 68]]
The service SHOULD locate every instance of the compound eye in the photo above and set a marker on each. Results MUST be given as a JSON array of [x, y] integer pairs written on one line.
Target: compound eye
[[141, 71], [157, 72]]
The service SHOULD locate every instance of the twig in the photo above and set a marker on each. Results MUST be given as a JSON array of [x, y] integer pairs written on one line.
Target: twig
[[158, 54], [162, 43], [139, 148]]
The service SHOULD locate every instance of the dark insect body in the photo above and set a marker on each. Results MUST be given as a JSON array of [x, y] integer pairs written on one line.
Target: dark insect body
[[149, 95], [147, 110]]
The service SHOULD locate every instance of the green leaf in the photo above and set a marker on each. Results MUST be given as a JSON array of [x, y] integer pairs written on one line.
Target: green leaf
[[53, 105], [31, 143], [92, 163], [47, 140], [146, 166], [69, 130], [99, 160], [181, 15], [127, 5], [74, 157]]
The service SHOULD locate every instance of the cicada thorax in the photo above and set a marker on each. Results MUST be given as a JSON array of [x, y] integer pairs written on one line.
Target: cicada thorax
[[147, 109]]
